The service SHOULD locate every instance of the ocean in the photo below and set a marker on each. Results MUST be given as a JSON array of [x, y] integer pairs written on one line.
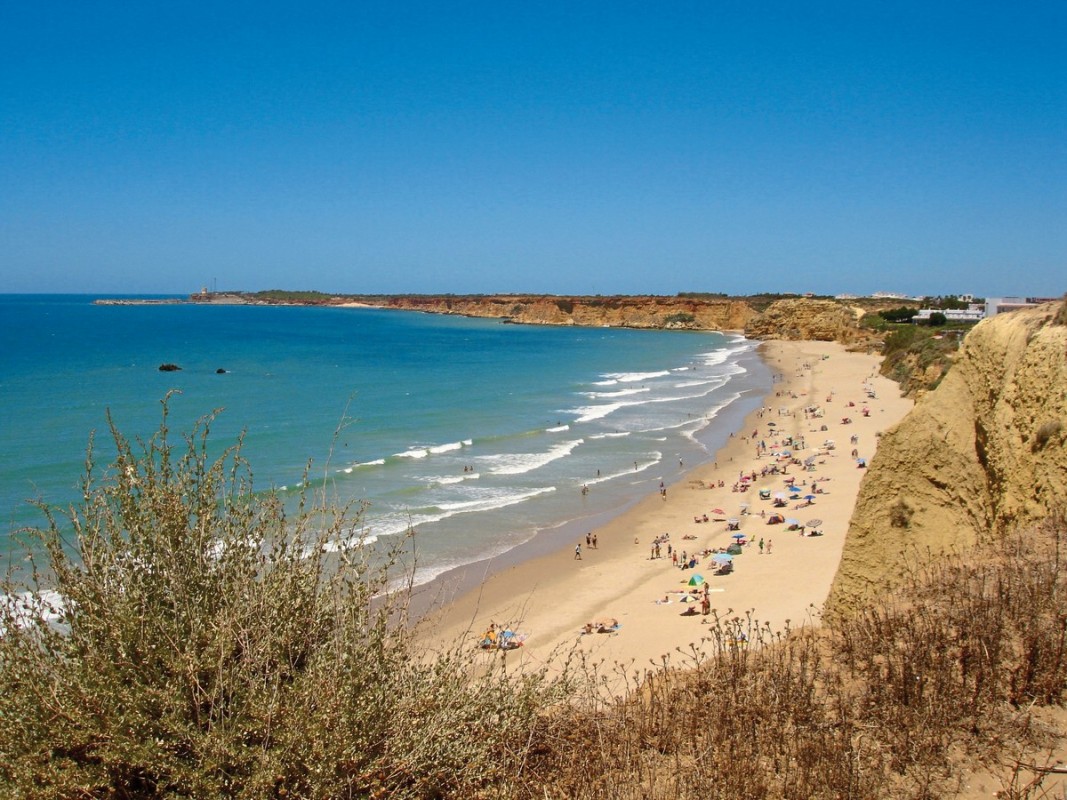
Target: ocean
[[476, 433]]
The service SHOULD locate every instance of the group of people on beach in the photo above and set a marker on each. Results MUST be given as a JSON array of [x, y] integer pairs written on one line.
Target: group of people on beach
[[590, 542]]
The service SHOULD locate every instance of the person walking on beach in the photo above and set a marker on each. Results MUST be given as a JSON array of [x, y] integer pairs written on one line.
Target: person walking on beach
[[588, 540], [594, 541], [578, 552], [761, 546], [769, 543]]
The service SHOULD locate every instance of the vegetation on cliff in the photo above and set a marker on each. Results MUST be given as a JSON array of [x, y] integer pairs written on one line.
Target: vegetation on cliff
[[984, 452], [918, 357]]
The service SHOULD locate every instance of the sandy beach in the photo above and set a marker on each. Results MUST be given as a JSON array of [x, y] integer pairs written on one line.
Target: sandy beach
[[549, 600]]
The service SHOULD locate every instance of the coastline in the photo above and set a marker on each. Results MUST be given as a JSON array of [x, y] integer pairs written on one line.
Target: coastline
[[426, 597], [549, 596]]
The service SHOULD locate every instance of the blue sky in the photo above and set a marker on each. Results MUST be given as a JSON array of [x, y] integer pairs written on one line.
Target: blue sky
[[573, 148]]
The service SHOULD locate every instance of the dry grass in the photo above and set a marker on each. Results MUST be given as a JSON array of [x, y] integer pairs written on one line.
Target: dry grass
[[891, 702]]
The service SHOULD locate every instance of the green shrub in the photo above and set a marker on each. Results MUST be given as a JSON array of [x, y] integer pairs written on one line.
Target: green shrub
[[901, 314], [215, 646]]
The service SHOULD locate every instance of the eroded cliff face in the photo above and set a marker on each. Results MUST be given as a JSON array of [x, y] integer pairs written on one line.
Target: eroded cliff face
[[802, 319], [625, 312], [982, 453]]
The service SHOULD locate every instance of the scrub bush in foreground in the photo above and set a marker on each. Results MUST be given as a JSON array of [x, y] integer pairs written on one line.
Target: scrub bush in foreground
[[212, 645]]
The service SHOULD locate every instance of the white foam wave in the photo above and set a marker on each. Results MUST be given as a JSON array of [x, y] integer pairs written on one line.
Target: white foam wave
[[521, 463], [611, 435], [611, 382], [620, 393], [631, 377], [590, 413], [493, 501], [401, 522], [595, 412], [696, 424], [558, 429], [656, 458], [354, 542], [415, 452], [690, 384], [446, 448], [450, 479], [357, 465], [715, 357]]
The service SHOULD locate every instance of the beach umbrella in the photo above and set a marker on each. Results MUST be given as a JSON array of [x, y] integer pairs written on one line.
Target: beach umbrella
[[696, 580], [772, 424], [722, 558], [738, 536], [792, 521], [717, 511], [688, 598], [780, 495], [813, 523], [809, 497], [810, 460]]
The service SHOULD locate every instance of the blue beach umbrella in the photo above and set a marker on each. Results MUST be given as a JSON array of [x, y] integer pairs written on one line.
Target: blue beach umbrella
[[696, 580], [722, 558]]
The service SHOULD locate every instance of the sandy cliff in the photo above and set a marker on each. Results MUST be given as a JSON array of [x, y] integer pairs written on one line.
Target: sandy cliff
[[805, 320], [983, 452], [626, 312], [797, 319]]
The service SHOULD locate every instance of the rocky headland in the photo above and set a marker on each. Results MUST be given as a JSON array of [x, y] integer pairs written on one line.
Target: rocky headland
[[757, 316]]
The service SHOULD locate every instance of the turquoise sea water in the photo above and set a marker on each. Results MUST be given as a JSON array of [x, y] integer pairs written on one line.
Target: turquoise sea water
[[475, 432]]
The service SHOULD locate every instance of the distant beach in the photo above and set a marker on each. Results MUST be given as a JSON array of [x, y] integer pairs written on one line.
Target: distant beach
[[783, 573]]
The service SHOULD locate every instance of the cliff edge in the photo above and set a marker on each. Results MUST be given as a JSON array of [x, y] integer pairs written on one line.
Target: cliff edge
[[616, 312], [981, 454], [806, 320]]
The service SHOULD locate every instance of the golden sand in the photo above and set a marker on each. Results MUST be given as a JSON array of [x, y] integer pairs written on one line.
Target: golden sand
[[550, 599]]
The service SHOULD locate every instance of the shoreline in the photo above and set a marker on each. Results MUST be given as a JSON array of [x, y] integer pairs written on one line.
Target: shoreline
[[549, 597], [426, 597]]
